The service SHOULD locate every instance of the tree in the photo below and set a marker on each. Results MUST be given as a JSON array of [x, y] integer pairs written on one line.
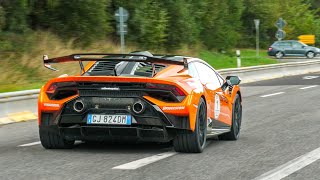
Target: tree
[[151, 21], [221, 24], [300, 19], [298, 14], [84, 20], [16, 15], [182, 27], [42, 13], [2, 18]]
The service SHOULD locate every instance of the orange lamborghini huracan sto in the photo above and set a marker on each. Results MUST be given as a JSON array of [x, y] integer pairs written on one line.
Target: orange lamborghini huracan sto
[[139, 97]]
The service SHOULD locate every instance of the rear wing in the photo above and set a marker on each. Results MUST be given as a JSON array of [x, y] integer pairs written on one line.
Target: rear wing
[[177, 60]]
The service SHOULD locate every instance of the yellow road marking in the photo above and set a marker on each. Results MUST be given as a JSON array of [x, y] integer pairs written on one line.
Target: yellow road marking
[[5, 120], [22, 116]]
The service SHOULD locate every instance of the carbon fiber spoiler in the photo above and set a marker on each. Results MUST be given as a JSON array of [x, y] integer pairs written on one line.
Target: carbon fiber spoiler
[[178, 60]]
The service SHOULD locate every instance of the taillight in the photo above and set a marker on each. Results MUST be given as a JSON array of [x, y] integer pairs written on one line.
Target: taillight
[[53, 87], [270, 49], [177, 92], [62, 90]]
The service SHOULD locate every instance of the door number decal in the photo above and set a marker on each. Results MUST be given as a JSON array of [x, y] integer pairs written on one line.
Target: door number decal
[[216, 106]]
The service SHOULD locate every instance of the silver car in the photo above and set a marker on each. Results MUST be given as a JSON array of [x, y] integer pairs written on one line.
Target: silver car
[[280, 49]]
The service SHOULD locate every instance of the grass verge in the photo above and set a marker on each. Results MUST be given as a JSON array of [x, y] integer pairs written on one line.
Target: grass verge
[[23, 70], [248, 58]]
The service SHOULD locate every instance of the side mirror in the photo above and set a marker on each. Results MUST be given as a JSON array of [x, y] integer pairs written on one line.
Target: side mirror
[[230, 82], [233, 80]]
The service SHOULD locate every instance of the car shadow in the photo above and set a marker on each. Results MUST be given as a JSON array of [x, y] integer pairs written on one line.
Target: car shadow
[[122, 147]]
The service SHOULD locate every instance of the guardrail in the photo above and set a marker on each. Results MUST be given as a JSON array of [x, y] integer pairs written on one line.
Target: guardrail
[[258, 73], [247, 74], [19, 95]]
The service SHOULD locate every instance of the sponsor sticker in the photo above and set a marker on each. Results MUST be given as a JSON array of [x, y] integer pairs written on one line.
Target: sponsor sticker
[[173, 108], [216, 106], [51, 105]]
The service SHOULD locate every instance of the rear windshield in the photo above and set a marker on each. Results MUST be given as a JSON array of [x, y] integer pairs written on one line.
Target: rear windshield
[[114, 68]]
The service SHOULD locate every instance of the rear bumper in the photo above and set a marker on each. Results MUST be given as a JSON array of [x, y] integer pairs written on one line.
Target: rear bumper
[[152, 125], [115, 133], [272, 53]]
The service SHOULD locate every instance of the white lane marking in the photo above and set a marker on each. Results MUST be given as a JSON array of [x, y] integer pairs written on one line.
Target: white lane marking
[[310, 77], [274, 94], [291, 166], [308, 87], [30, 144], [145, 161]]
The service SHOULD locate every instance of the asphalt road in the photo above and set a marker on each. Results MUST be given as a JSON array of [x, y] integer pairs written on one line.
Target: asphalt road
[[281, 122]]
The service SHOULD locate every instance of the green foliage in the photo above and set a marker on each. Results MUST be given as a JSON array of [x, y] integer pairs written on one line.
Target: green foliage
[[16, 15], [2, 18], [159, 25], [43, 13], [151, 21], [301, 20], [248, 58], [182, 26], [84, 20], [221, 24], [298, 14]]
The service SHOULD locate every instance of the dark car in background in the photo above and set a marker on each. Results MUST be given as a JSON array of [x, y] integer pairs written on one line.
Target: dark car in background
[[280, 49]]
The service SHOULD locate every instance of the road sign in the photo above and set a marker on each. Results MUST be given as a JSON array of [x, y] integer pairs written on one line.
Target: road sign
[[124, 30], [124, 14], [280, 34], [121, 16], [307, 39], [256, 23], [280, 23]]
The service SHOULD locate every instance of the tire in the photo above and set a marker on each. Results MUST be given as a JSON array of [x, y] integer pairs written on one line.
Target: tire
[[236, 121], [51, 140], [195, 141], [310, 55], [279, 55]]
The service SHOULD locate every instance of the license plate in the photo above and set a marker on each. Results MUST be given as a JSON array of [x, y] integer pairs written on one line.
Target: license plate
[[109, 119]]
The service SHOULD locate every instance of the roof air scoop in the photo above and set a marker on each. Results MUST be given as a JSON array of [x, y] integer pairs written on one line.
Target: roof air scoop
[[146, 53]]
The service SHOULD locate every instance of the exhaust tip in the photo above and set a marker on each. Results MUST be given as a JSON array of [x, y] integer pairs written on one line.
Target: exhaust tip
[[138, 107], [78, 106]]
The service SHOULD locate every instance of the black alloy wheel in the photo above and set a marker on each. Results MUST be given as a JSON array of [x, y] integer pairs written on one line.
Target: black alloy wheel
[[236, 121], [195, 141]]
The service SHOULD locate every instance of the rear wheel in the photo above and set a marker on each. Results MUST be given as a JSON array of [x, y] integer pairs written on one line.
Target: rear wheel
[[310, 54], [279, 55], [52, 140], [236, 121], [195, 141]]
